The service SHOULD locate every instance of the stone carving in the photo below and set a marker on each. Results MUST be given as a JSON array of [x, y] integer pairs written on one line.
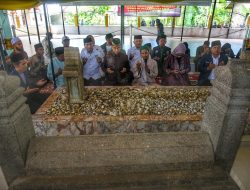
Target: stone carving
[[226, 110], [73, 75], [16, 127]]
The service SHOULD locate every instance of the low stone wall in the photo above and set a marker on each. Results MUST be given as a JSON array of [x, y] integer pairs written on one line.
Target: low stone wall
[[47, 123]]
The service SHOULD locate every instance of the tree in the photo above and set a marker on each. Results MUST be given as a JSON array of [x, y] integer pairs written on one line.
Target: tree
[[89, 15]]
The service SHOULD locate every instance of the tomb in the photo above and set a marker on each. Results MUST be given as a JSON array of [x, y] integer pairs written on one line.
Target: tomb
[[75, 110], [107, 158], [109, 110]]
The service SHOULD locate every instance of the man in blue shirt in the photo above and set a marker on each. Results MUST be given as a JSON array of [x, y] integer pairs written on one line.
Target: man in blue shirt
[[92, 60], [58, 63]]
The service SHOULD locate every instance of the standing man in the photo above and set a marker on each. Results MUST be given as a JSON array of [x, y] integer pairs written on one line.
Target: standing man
[[160, 30], [65, 41], [58, 63], [45, 42], [92, 60], [107, 46], [116, 65], [37, 69], [145, 69], [209, 62], [160, 54]]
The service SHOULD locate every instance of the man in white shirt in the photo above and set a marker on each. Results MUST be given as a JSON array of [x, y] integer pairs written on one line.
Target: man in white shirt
[[134, 53], [96, 47], [209, 62], [91, 59]]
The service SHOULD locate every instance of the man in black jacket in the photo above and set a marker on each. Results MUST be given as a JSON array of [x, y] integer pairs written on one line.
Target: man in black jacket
[[160, 54], [34, 99], [209, 62]]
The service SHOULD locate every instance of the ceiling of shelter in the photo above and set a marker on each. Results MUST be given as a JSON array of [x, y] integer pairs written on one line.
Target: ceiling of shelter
[[138, 2], [20, 4]]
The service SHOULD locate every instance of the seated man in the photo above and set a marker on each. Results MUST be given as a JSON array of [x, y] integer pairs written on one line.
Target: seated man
[[227, 50], [107, 46], [34, 99], [200, 52], [160, 54], [116, 65], [145, 69], [17, 49], [58, 63], [92, 60], [65, 41], [134, 52], [209, 62], [187, 49], [46, 42], [96, 47], [37, 69], [8, 67]]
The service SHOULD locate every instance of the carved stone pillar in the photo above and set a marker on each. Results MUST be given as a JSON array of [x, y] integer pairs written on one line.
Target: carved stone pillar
[[226, 110], [73, 74], [16, 128]]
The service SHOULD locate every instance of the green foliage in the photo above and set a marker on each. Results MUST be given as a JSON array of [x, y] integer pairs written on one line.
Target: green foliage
[[222, 15], [196, 16], [89, 15]]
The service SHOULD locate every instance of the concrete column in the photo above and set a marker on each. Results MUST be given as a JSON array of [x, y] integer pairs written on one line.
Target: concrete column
[[226, 110], [16, 128]]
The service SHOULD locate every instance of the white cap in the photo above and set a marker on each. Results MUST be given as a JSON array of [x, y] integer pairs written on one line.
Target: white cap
[[15, 40]]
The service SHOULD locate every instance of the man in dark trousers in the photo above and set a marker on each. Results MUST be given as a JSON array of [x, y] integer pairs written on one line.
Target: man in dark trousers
[[209, 62], [160, 54]]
